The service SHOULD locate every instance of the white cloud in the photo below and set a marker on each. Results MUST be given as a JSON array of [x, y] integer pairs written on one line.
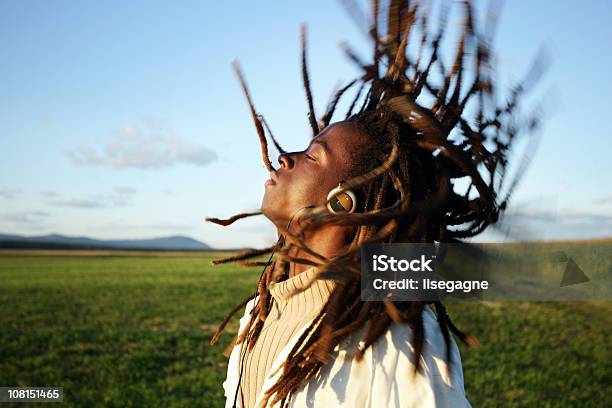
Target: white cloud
[[567, 223], [78, 203], [121, 197], [9, 193], [125, 190], [27, 219], [604, 200], [49, 193], [126, 226], [144, 146]]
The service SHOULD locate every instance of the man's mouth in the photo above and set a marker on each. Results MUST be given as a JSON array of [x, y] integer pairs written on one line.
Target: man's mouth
[[272, 180]]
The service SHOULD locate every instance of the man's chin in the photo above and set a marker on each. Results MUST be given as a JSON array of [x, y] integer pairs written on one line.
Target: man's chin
[[274, 214], [268, 209]]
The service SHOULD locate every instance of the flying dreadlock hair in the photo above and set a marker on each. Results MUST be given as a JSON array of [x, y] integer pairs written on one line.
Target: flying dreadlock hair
[[406, 177]]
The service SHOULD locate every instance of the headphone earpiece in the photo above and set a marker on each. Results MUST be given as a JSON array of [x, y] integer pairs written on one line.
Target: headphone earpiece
[[341, 202]]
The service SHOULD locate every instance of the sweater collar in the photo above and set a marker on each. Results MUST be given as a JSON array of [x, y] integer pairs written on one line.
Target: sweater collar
[[295, 289]]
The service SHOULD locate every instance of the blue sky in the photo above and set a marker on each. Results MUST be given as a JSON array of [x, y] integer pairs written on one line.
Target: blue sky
[[125, 120]]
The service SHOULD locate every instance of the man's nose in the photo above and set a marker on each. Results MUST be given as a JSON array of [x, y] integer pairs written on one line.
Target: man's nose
[[285, 160]]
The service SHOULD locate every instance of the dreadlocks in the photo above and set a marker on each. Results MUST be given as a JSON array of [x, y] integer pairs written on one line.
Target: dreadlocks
[[405, 178]]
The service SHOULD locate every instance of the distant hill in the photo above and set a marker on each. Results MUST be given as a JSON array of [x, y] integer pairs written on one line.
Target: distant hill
[[55, 241]]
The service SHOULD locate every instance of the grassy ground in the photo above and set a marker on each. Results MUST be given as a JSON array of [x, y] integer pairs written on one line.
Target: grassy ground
[[133, 330]]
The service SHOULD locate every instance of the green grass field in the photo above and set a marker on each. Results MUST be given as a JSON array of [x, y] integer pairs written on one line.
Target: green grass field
[[133, 329]]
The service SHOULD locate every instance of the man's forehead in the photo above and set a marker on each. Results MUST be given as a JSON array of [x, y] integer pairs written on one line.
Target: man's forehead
[[340, 134]]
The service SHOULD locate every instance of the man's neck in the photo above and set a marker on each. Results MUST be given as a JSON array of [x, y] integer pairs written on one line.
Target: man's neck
[[328, 241]]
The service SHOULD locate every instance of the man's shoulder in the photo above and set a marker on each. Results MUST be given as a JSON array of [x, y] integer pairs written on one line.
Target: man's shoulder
[[398, 340], [397, 345], [389, 361]]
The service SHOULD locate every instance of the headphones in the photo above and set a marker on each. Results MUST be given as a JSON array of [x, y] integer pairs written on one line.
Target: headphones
[[341, 202]]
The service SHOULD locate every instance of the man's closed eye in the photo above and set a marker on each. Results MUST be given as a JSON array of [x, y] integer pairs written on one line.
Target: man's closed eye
[[310, 157]]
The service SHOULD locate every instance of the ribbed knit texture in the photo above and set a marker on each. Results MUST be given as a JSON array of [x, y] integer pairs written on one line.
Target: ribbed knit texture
[[290, 311]]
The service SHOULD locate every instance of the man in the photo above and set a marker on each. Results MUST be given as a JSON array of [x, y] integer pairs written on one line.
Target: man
[[384, 174]]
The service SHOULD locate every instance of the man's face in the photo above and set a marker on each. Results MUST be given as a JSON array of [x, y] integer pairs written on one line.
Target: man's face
[[306, 177]]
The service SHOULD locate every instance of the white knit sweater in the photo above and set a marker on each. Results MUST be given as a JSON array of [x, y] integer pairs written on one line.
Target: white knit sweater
[[382, 378]]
